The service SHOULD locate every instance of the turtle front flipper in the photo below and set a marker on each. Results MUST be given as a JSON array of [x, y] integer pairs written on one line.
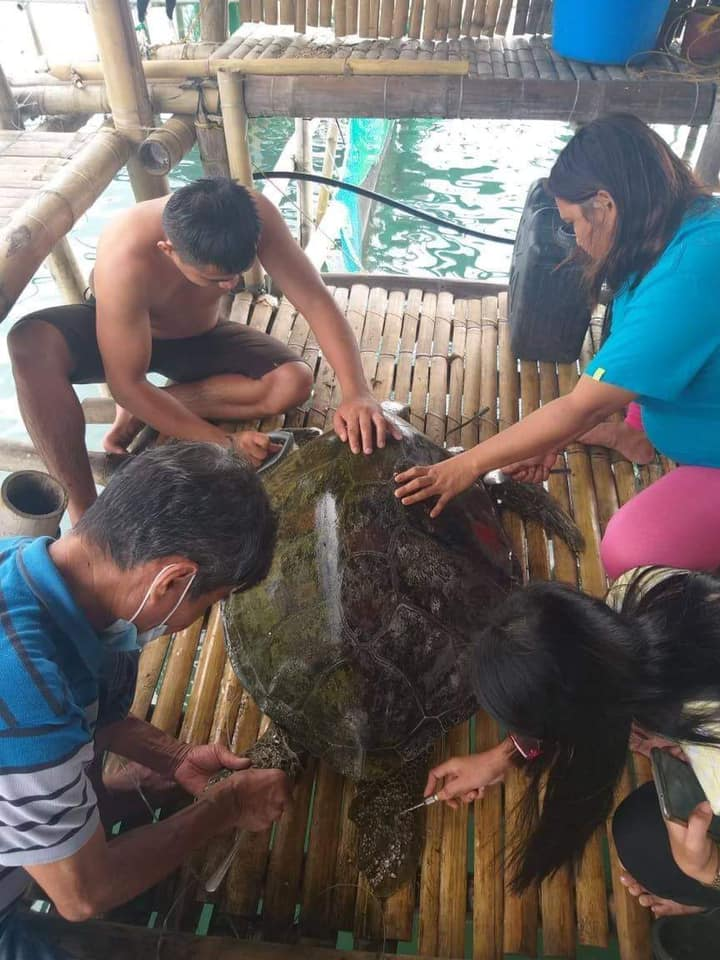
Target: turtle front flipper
[[390, 842], [274, 751], [531, 501]]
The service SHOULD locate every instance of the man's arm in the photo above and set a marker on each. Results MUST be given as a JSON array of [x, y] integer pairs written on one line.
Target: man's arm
[[102, 875], [125, 341], [188, 765], [303, 286]]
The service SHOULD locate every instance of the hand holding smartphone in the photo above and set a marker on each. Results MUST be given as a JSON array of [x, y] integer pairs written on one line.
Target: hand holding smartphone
[[679, 790]]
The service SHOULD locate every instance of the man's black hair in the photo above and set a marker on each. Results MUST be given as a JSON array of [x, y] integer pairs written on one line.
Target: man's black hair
[[213, 222], [193, 500]]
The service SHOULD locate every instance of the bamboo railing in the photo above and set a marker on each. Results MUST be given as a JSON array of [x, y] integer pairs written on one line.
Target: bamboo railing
[[417, 19]]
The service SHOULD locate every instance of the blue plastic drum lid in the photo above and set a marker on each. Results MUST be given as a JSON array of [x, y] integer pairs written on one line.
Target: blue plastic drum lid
[[607, 31]]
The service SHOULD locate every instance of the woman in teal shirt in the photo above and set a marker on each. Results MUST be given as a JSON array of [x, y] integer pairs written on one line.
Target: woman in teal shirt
[[647, 229]]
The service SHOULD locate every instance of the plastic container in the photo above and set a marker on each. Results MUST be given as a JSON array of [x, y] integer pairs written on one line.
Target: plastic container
[[549, 313], [606, 31]]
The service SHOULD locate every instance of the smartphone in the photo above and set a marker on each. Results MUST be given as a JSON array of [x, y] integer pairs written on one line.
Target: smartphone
[[678, 789]]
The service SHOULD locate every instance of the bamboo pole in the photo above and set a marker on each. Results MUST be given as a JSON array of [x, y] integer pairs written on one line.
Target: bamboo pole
[[52, 99], [164, 148], [183, 50], [9, 113], [328, 168], [235, 123], [92, 72], [127, 90], [214, 20], [66, 271], [63, 264], [33, 28], [145, 185], [303, 164], [42, 220], [120, 67]]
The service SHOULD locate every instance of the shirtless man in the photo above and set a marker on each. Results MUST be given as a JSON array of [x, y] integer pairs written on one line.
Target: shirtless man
[[162, 268]]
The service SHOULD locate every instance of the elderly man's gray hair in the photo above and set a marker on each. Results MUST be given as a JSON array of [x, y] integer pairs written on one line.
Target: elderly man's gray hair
[[193, 500]]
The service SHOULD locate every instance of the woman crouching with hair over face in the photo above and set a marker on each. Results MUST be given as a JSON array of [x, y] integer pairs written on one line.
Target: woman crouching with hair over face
[[578, 680]]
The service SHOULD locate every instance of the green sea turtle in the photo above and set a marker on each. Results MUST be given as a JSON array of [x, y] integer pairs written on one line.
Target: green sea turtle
[[359, 642]]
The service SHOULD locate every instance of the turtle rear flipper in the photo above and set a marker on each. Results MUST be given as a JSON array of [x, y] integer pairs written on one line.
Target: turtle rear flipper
[[390, 842], [531, 501]]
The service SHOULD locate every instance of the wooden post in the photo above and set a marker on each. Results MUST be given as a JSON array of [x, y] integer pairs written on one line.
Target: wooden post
[[328, 168], [708, 164], [9, 113], [214, 20], [235, 122], [126, 88], [303, 162]]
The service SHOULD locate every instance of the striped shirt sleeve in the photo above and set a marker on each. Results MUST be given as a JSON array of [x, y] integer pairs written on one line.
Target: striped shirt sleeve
[[47, 813]]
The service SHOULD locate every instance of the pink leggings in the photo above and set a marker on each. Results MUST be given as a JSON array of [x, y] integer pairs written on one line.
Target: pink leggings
[[675, 522]]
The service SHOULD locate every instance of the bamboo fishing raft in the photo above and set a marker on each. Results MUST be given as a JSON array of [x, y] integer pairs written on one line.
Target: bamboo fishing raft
[[441, 346]]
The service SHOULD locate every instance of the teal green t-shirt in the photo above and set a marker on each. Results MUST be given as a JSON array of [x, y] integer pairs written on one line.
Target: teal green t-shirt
[[664, 343]]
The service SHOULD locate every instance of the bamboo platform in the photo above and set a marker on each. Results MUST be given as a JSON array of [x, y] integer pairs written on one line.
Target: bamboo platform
[[437, 74], [448, 355], [47, 180], [29, 159]]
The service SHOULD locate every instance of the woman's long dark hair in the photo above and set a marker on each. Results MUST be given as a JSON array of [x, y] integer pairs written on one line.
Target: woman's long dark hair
[[651, 187], [563, 667]]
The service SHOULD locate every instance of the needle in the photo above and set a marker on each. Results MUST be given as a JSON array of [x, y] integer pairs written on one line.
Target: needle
[[428, 801]]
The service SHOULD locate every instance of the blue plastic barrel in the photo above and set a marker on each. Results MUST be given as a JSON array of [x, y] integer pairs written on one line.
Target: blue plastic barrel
[[606, 31]]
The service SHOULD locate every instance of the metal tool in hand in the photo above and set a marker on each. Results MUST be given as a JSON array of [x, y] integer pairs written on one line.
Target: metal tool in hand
[[427, 802], [217, 877]]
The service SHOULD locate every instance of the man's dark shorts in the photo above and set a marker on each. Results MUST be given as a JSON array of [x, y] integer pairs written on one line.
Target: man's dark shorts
[[228, 348]]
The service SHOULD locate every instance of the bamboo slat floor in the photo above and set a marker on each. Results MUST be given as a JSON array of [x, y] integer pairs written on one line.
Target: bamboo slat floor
[[28, 160], [507, 77], [449, 357]]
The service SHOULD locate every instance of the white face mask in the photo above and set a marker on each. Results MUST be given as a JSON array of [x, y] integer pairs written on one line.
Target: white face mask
[[124, 635]]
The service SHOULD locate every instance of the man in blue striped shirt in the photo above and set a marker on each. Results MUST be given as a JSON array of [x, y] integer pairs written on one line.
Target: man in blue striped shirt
[[176, 530]]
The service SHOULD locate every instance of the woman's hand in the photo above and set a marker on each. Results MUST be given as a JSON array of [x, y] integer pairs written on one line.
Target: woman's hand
[[692, 848], [532, 470], [443, 480], [463, 779]]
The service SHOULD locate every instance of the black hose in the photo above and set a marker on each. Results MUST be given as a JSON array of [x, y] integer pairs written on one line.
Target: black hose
[[380, 198]]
